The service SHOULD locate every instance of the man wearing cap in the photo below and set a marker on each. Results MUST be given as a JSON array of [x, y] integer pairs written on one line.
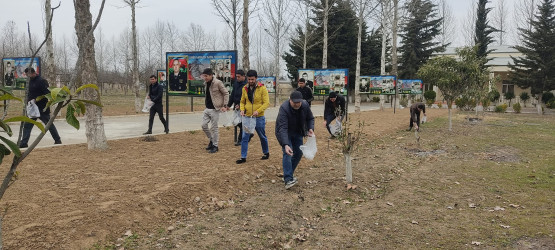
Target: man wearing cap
[[38, 87], [254, 101], [294, 121], [215, 101], [235, 99], [306, 91], [334, 107]]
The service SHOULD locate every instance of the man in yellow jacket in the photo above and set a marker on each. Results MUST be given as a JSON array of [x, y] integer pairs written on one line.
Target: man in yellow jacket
[[254, 101]]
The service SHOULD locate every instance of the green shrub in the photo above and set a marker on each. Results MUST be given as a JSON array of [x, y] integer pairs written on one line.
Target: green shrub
[[485, 103], [517, 107], [509, 96], [376, 99], [501, 108], [430, 95], [465, 103], [439, 104], [494, 95], [429, 103], [551, 104], [524, 97], [547, 96]]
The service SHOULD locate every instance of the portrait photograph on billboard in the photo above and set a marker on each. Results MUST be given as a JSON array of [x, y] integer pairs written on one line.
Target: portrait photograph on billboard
[[380, 85], [413, 86], [324, 81], [13, 70], [269, 82], [185, 69], [161, 76]]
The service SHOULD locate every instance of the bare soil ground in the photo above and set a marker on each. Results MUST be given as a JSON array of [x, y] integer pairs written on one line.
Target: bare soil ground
[[447, 191]]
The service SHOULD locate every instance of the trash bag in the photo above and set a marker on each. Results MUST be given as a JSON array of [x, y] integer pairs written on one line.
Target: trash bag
[[335, 127], [424, 119], [148, 104], [309, 148], [249, 124], [32, 110], [236, 117]]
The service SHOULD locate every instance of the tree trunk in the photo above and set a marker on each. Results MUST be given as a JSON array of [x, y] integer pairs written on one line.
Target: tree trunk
[[359, 49], [348, 168], [246, 42], [136, 81], [50, 74], [394, 67], [325, 50], [96, 138], [450, 120], [385, 11]]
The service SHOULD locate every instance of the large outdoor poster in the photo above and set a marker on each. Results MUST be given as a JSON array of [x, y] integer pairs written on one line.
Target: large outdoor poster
[[413, 86], [269, 82], [322, 81], [377, 85], [185, 69], [13, 70], [161, 76]]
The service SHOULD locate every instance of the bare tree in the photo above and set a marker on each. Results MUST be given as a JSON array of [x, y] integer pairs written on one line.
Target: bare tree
[[195, 38], [230, 12], [86, 72], [245, 36], [310, 38], [50, 72], [161, 40], [524, 11], [385, 25], [394, 56], [173, 33], [469, 25], [328, 4], [448, 25], [135, 55], [500, 21]]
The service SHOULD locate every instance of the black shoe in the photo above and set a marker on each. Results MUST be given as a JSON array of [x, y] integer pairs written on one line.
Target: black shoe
[[210, 146], [58, 142], [147, 133], [265, 156], [166, 131], [213, 150], [23, 146], [242, 160], [238, 143], [251, 136]]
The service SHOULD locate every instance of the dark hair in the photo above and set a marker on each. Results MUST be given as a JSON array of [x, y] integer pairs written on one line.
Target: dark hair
[[302, 80], [27, 70], [153, 76], [240, 72], [252, 73]]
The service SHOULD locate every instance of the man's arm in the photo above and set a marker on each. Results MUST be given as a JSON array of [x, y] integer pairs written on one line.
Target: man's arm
[[282, 126], [223, 90], [159, 93], [310, 95]]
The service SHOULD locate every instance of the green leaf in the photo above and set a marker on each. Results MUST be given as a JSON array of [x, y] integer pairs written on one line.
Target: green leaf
[[3, 152], [54, 92], [9, 96], [87, 86], [66, 89], [26, 119], [6, 128], [12, 145], [81, 106], [90, 102], [70, 116]]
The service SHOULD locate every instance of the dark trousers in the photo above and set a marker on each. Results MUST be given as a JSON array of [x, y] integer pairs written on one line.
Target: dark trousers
[[417, 119], [240, 136], [156, 108], [289, 162], [27, 127]]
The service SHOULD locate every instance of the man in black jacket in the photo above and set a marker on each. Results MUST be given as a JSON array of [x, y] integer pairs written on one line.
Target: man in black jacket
[[235, 98], [155, 94], [38, 87], [306, 91], [415, 109], [294, 121], [334, 106]]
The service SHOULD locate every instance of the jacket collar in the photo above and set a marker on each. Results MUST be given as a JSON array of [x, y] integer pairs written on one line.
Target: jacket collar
[[255, 86]]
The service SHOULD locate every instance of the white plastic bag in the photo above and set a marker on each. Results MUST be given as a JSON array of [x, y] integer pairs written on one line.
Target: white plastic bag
[[228, 119], [148, 104], [424, 119], [249, 124], [32, 110], [236, 117], [309, 148], [335, 127]]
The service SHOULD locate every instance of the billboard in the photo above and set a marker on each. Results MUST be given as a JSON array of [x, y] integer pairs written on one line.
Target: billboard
[[184, 70], [322, 81], [269, 82], [13, 71], [377, 85], [413, 86], [161, 75]]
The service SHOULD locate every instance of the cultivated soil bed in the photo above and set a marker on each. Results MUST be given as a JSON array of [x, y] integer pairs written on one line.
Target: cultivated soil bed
[[170, 193]]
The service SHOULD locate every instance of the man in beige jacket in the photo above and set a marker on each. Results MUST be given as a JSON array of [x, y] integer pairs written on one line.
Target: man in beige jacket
[[215, 101]]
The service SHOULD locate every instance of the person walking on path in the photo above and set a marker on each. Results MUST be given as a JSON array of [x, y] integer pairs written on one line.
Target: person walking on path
[[38, 87], [215, 101], [415, 109], [306, 91], [155, 94], [235, 99], [254, 101], [333, 108], [295, 121]]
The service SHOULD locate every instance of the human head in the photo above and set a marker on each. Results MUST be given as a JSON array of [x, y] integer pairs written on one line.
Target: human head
[[30, 72], [296, 99], [207, 74], [240, 75], [305, 75], [251, 77], [333, 96], [152, 79], [176, 64], [302, 82], [364, 81]]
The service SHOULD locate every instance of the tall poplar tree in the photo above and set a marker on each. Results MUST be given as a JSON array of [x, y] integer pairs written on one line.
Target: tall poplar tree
[[483, 31]]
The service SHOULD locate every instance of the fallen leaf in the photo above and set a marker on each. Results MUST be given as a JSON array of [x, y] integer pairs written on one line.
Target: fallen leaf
[[414, 222], [498, 208], [449, 207], [389, 203], [472, 205], [477, 243], [514, 205], [346, 202], [505, 226], [128, 233], [456, 182]]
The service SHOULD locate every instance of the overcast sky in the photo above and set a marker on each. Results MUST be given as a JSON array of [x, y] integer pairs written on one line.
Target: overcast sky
[[183, 12]]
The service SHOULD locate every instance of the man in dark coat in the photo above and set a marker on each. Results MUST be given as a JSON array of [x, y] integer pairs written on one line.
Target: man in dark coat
[[155, 94], [306, 91], [334, 107], [235, 99], [415, 109], [38, 87], [294, 121]]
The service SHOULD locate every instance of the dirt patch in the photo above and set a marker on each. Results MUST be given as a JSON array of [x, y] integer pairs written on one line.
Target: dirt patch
[[502, 154]]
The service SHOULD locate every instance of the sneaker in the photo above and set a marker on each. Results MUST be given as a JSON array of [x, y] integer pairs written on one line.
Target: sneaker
[[147, 133], [291, 183], [58, 142], [166, 131], [210, 146], [266, 156], [240, 161], [213, 150], [23, 146]]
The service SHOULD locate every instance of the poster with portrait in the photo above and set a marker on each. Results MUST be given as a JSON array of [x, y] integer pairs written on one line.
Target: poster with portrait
[[269, 82], [364, 86], [185, 70], [412, 86], [308, 76], [382, 85], [13, 71], [326, 80], [161, 76]]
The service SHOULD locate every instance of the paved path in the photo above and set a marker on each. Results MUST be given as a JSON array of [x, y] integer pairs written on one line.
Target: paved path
[[130, 126]]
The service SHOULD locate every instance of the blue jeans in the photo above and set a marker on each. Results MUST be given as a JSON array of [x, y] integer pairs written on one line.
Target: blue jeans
[[261, 131], [27, 127], [290, 162]]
